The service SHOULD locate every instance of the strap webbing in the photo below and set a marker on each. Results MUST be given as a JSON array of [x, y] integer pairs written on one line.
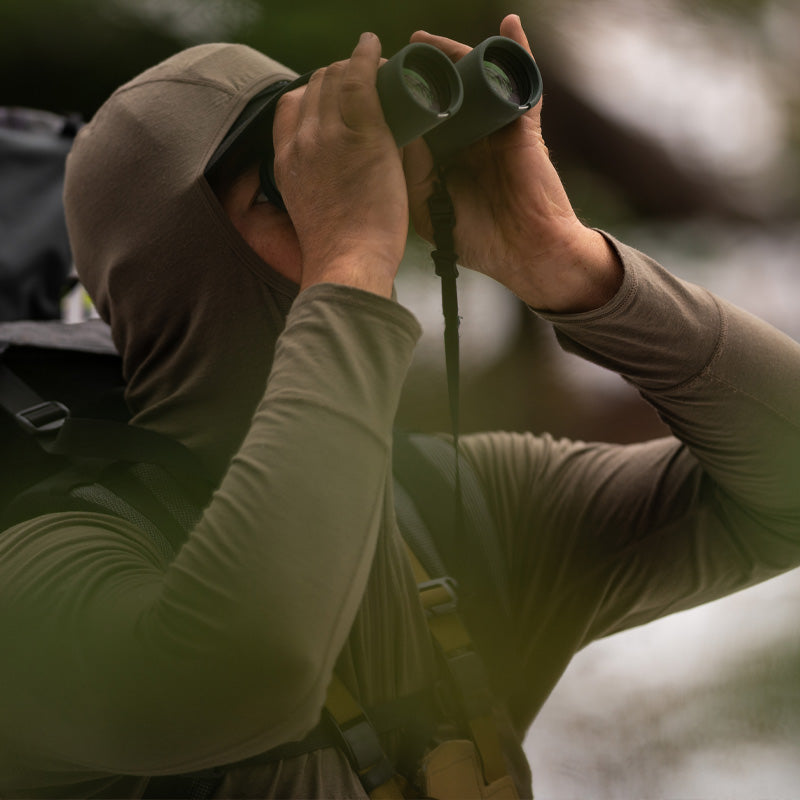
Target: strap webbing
[[443, 219], [424, 474], [58, 433], [31, 411], [15, 394], [465, 666], [361, 743], [118, 441]]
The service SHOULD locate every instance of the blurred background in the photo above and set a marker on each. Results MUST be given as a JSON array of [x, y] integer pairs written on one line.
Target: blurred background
[[676, 127]]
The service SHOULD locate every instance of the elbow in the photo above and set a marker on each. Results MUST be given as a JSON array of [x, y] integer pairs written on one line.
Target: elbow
[[294, 693], [238, 708], [281, 689]]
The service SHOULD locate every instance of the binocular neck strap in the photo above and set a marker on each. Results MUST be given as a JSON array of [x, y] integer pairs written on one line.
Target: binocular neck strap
[[443, 219]]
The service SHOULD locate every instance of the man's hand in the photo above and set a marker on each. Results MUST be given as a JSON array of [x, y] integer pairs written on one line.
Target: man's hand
[[341, 176], [514, 221]]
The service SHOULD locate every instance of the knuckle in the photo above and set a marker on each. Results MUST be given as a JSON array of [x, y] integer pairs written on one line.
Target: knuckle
[[285, 101], [281, 164], [336, 70], [352, 85]]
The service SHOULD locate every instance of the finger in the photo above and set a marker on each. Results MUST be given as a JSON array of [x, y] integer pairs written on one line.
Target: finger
[[311, 97], [359, 98], [419, 169], [363, 63], [328, 97], [418, 165], [287, 118], [511, 27], [452, 49], [293, 108]]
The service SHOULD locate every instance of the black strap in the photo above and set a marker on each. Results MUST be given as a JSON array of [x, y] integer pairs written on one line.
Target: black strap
[[32, 412], [104, 452], [424, 467], [109, 440], [481, 595], [443, 219], [117, 441], [424, 485]]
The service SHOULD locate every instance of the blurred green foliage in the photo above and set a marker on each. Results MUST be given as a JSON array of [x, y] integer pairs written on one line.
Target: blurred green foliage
[[69, 55], [314, 33]]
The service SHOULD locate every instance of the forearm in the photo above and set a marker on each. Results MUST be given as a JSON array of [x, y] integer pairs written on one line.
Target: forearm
[[308, 481], [225, 651], [602, 537], [290, 535], [727, 383]]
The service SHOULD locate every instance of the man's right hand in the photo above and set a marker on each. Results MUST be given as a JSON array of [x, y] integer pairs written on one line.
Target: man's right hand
[[341, 175]]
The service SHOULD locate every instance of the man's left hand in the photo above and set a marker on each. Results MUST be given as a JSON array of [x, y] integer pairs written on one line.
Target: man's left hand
[[514, 220]]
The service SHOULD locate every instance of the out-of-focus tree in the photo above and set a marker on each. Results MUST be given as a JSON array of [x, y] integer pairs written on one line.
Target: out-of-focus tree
[[674, 110], [70, 54]]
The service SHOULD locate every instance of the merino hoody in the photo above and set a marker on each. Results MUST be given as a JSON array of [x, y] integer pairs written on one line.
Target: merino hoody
[[121, 664]]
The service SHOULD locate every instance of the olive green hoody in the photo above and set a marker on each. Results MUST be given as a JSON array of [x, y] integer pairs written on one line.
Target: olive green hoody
[[119, 664]]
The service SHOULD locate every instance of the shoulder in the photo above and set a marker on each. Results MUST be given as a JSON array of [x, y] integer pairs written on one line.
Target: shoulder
[[66, 541]]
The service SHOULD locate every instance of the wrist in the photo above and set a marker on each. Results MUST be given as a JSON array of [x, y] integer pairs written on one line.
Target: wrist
[[359, 272], [582, 274]]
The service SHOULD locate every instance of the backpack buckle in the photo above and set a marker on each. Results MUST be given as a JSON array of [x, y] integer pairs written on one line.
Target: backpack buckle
[[439, 596], [43, 417]]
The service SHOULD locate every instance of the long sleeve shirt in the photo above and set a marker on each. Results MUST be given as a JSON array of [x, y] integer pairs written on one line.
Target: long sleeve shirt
[[119, 662]]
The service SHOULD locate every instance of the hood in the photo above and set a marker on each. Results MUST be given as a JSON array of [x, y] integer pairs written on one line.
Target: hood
[[194, 312]]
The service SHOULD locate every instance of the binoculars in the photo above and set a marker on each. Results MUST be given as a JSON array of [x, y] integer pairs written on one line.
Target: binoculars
[[422, 93]]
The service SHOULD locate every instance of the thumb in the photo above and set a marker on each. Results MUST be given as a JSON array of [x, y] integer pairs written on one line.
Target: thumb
[[420, 172], [287, 118]]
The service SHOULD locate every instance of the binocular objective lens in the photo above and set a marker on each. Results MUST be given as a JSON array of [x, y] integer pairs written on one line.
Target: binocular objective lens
[[502, 81], [422, 89]]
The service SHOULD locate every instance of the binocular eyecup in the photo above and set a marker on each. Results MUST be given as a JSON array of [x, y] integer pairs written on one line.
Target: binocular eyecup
[[422, 93]]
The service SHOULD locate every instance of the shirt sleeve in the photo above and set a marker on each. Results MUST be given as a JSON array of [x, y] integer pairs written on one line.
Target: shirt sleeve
[[227, 650], [602, 537]]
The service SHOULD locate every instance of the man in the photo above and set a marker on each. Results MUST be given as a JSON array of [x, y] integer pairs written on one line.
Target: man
[[268, 343]]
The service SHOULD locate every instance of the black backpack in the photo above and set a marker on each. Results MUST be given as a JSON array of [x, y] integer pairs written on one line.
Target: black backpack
[[35, 256]]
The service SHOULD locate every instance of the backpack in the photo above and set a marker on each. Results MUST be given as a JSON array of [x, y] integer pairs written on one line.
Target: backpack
[[35, 258], [63, 428]]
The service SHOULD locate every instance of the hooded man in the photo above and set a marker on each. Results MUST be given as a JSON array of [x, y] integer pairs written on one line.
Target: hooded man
[[268, 343]]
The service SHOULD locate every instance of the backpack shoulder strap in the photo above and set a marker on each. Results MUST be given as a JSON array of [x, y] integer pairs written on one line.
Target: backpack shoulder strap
[[425, 480], [104, 465], [163, 493]]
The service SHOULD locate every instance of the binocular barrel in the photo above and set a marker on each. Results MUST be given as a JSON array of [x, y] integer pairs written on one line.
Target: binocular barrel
[[423, 93]]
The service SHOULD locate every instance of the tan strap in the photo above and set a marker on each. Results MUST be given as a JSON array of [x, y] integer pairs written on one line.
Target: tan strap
[[341, 704], [439, 600]]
